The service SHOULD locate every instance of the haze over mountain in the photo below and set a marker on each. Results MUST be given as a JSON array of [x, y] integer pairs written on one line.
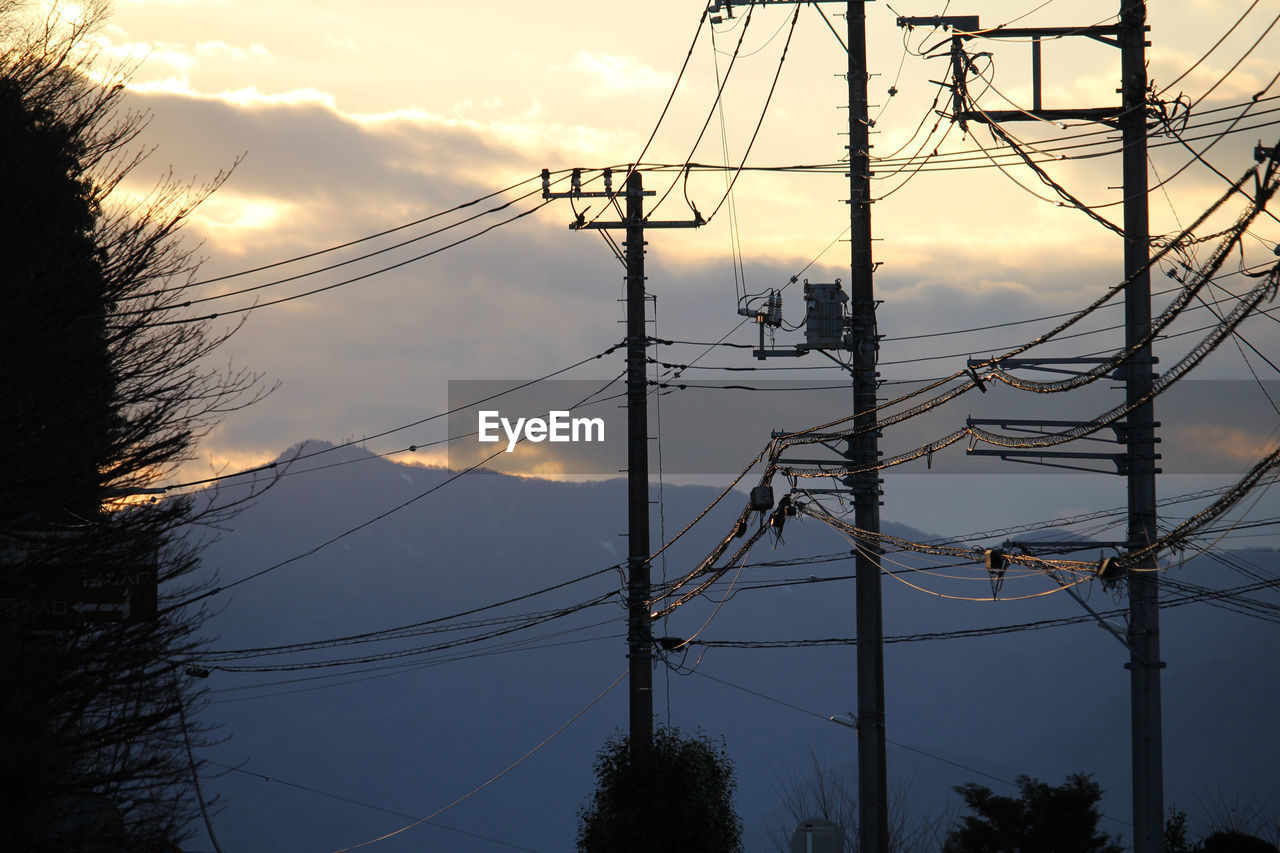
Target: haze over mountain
[[414, 738]]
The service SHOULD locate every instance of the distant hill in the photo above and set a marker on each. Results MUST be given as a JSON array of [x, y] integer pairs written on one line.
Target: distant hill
[[413, 738]]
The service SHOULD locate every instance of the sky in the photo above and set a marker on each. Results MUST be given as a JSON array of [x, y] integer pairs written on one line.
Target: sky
[[337, 122]]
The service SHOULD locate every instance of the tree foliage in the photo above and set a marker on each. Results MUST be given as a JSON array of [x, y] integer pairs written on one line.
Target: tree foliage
[[1232, 827], [1042, 819], [1175, 832], [106, 387], [1235, 841], [675, 796]]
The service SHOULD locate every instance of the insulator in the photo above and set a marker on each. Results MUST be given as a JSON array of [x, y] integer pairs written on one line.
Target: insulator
[[771, 314], [1109, 569]]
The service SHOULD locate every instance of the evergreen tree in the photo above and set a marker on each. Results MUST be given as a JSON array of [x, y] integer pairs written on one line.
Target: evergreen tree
[[675, 796], [103, 390], [1042, 819]]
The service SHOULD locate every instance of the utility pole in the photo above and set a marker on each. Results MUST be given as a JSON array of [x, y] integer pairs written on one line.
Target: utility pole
[[1144, 584], [861, 452], [639, 630], [1138, 461], [639, 625]]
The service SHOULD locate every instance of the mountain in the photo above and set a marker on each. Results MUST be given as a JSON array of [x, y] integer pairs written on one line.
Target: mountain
[[410, 735]]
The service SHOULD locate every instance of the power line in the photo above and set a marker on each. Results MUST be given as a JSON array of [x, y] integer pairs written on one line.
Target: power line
[[271, 466], [711, 113], [418, 651], [337, 264], [1193, 595], [1237, 63], [661, 116], [353, 279], [1212, 48], [794, 707], [763, 112], [492, 779], [412, 629], [339, 246], [310, 790], [342, 679], [452, 478], [706, 566]]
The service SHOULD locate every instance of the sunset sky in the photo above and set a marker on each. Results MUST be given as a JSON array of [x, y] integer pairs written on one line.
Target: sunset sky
[[393, 129], [353, 120]]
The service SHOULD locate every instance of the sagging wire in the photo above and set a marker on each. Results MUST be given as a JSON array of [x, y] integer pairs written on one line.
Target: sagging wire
[[711, 113], [707, 565]]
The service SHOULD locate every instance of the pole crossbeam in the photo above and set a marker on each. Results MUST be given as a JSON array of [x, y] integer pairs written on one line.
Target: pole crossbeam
[[1102, 115], [646, 223]]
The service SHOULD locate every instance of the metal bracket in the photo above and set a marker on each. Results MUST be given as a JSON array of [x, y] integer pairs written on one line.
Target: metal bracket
[[1044, 365], [1040, 547], [1036, 457], [580, 224]]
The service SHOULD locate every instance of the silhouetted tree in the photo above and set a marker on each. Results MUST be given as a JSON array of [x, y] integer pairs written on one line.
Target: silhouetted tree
[[103, 389], [1175, 832], [1246, 820], [1233, 841], [1042, 819], [675, 796], [1235, 827]]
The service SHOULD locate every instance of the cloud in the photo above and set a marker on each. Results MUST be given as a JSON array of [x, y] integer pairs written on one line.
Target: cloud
[[158, 61], [614, 74], [1228, 442], [174, 56], [232, 212], [968, 250], [344, 42], [222, 51], [313, 176]]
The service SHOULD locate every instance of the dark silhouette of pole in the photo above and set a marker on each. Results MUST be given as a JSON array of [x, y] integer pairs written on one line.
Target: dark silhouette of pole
[[1144, 613], [639, 628], [863, 451], [639, 625], [1139, 458]]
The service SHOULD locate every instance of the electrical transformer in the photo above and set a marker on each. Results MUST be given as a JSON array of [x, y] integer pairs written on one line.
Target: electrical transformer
[[762, 498], [824, 315]]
